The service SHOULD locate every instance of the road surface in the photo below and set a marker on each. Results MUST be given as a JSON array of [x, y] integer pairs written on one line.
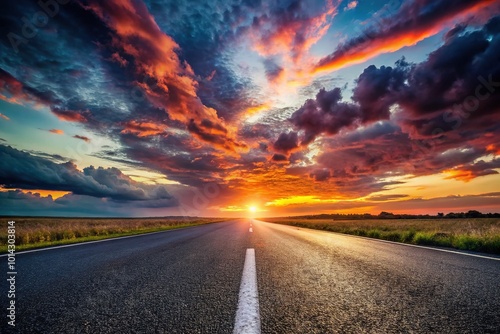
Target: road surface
[[193, 281]]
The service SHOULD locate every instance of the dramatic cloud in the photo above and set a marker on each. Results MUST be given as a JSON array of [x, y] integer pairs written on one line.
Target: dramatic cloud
[[426, 108], [22, 170], [279, 158], [415, 21], [287, 142], [473, 170], [153, 55], [377, 90], [33, 204], [290, 29], [143, 129], [285, 34], [325, 114]]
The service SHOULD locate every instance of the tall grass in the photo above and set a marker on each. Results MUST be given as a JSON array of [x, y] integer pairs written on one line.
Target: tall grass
[[43, 232], [474, 234]]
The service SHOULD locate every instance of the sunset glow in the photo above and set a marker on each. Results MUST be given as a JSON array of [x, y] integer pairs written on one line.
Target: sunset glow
[[140, 108]]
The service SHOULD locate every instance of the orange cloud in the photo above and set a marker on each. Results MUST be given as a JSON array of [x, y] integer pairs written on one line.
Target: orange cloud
[[289, 35], [255, 110], [55, 194], [294, 33], [56, 131], [69, 115], [459, 174], [394, 38], [351, 5], [143, 129], [120, 60], [4, 117], [495, 149], [14, 88]]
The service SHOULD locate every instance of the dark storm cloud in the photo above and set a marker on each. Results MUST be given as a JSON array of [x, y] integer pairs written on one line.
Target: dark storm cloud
[[22, 170], [279, 158], [457, 30], [286, 142], [376, 90], [32, 204], [325, 114], [320, 174], [179, 165], [456, 89]]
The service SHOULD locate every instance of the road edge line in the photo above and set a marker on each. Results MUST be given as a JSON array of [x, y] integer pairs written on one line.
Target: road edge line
[[459, 252], [95, 241]]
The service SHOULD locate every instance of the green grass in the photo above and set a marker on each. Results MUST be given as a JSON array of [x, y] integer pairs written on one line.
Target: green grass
[[34, 233], [472, 234]]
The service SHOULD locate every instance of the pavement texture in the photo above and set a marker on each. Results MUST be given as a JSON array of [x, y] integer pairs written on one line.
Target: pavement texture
[[188, 280]]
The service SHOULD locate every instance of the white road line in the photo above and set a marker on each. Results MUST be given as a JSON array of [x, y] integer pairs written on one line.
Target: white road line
[[431, 248], [250, 229], [91, 242], [404, 244], [247, 315]]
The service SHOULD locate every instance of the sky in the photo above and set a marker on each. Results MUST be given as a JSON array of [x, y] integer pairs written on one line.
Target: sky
[[231, 108]]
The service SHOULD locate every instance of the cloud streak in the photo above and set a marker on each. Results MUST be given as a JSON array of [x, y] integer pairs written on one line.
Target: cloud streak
[[415, 21]]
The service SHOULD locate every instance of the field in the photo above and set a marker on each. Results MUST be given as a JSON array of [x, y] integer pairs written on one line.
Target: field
[[474, 234], [43, 232]]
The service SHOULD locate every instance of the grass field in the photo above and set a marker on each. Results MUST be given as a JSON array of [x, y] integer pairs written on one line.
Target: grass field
[[43, 232], [474, 234]]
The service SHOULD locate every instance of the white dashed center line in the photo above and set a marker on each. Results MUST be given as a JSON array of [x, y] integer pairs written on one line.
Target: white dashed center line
[[247, 315]]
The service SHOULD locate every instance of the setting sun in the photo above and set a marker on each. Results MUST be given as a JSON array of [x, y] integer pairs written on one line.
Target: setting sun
[[252, 208]]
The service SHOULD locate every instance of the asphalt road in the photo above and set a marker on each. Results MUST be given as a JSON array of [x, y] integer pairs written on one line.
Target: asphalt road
[[188, 281]]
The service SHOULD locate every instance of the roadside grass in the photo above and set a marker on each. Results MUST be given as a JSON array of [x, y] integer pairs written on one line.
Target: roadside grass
[[34, 232], [472, 234]]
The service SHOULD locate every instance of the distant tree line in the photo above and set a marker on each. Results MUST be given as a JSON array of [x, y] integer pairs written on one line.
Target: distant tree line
[[390, 215]]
